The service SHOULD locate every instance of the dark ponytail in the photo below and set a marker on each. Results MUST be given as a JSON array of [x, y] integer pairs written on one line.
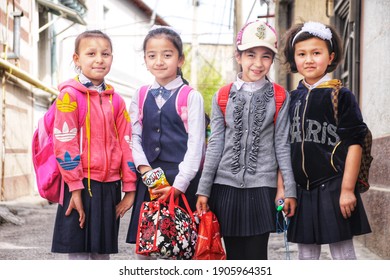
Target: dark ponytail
[[180, 73]]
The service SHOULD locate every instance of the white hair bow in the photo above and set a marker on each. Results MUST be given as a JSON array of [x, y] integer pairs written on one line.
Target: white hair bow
[[316, 29]]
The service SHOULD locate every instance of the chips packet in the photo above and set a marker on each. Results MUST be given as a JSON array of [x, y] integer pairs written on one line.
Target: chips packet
[[155, 179]]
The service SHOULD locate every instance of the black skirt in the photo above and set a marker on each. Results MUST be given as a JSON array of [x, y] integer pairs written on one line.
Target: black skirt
[[100, 232], [244, 212], [318, 219]]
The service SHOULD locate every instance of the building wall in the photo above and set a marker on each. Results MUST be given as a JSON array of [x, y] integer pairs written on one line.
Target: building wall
[[375, 102], [16, 107], [18, 177]]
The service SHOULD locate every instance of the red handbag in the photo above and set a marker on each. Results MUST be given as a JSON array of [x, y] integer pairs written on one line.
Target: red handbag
[[209, 243]]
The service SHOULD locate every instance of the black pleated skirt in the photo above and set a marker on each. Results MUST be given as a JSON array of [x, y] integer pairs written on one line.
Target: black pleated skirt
[[244, 212], [100, 232], [318, 219]]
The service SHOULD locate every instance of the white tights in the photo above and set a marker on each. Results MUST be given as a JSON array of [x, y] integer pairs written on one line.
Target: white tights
[[88, 256], [343, 250]]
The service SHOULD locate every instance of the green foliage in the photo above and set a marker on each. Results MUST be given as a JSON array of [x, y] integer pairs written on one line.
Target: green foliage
[[209, 78]]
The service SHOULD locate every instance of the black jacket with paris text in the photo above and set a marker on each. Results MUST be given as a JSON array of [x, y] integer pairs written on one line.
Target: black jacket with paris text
[[314, 132]]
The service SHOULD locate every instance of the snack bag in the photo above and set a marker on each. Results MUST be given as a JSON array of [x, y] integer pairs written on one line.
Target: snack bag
[[155, 179]]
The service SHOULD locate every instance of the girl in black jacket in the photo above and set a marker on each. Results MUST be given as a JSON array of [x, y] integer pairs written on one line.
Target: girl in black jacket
[[326, 149]]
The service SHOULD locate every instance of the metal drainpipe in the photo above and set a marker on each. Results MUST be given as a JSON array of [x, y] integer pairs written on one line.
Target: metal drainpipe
[[16, 42], [53, 54], [13, 70]]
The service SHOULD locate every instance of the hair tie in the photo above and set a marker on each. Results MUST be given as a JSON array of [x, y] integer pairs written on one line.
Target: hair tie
[[316, 29]]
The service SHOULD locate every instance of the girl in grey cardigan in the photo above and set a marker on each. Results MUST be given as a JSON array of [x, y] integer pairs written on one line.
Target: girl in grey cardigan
[[245, 151]]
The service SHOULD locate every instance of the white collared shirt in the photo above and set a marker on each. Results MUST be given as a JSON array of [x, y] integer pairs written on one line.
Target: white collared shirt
[[249, 86], [84, 80], [323, 79]]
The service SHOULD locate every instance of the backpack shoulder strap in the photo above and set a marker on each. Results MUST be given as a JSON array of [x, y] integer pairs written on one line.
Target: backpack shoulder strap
[[116, 103], [335, 102], [182, 104], [141, 101], [223, 97], [182, 98], [280, 97], [47, 121]]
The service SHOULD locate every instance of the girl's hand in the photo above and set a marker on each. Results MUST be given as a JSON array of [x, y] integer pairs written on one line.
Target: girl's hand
[[290, 204], [76, 203], [347, 203], [201, 204], [351, 170], [125, 204], [164, 192]]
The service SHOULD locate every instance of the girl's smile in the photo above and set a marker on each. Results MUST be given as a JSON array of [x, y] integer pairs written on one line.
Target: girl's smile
[[255, 62]]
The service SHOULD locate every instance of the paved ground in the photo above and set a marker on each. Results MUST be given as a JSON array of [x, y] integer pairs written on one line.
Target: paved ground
[[28, 235]]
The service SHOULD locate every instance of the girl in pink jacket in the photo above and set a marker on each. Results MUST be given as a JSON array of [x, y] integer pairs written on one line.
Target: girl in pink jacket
[[94, 155]]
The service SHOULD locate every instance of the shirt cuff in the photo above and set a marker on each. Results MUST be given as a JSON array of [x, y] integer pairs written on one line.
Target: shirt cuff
[[181, 184], [290, 191], [138, 163], [128, 186]]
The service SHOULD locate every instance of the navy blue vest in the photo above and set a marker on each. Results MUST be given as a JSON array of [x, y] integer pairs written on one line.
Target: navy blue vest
[[164, 136]]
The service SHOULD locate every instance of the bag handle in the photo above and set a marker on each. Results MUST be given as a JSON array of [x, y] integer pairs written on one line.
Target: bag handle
[[175, 202]]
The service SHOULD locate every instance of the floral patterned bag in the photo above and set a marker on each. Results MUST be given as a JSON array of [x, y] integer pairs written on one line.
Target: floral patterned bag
[[166, 230]]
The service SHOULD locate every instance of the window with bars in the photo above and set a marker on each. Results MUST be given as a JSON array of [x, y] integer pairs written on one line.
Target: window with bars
[[346, 19]]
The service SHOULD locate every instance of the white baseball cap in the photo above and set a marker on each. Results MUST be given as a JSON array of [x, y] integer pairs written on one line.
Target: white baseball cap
[[257, 34]]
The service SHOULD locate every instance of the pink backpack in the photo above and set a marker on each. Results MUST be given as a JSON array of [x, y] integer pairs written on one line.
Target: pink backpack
[[181, 103], [48, 176]]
